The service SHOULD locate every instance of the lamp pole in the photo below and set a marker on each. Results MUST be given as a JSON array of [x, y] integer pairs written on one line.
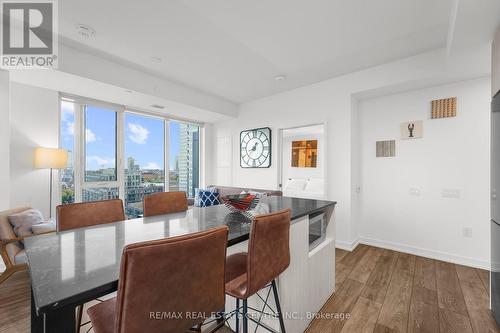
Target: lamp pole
[[50, 195]]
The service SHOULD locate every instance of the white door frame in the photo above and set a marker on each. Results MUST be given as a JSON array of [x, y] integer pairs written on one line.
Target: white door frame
[[280, 179]]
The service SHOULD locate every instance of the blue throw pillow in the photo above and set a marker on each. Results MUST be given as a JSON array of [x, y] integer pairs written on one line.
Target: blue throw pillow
[[206, 197]]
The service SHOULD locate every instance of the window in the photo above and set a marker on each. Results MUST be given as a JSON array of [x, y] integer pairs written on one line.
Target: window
[[100, 144], [145, 160], [114, 153], [184, 157], [99, 139]]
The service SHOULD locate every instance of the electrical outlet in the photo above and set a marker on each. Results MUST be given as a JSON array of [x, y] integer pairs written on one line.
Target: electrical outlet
[[467, 232], [451, 193]]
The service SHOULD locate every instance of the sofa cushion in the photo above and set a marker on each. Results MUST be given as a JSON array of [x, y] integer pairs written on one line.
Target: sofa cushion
[[45, 227], [23, 222], [6, 230]]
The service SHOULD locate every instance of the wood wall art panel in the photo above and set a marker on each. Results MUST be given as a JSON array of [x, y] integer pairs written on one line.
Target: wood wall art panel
[[444, 108], [386, 148]]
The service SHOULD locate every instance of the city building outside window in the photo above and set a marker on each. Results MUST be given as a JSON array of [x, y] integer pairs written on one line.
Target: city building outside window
[[184, 157], [145, 160]]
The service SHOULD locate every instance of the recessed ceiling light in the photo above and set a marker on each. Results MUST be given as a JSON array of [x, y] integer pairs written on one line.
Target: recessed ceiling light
[[157, 106], [85, 31], [156, 59], [280, 77]]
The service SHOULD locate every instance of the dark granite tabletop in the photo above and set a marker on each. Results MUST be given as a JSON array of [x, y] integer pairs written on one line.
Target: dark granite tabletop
[[76, 266]]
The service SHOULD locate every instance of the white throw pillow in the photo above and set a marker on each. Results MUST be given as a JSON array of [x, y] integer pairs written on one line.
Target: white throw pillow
[[23, 222], [295, 184], [315, 185]]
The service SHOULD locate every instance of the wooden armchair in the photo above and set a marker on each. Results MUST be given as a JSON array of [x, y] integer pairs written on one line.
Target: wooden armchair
[[11, 248]]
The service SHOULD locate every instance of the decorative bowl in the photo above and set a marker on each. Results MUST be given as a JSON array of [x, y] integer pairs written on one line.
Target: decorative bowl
[[241, 203]]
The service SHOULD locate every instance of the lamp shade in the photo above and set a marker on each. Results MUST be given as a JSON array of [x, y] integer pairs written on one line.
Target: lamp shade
[[50, 158]]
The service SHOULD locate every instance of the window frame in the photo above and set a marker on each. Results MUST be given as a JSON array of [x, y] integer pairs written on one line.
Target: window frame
[[79, 156], [82, 154], [166, 146]]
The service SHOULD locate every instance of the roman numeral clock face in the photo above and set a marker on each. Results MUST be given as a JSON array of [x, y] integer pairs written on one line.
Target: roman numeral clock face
[[255, 148]]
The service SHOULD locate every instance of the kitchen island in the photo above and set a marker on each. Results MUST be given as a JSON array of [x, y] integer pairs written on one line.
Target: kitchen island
[[73, 267]]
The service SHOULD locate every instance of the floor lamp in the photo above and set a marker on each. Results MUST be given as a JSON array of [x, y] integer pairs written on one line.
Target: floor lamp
[[50, 158]]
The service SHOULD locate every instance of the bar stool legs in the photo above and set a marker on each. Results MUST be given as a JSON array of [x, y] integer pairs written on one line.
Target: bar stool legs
[[278, 306], [245, 316], [244, 312], [237, 315]]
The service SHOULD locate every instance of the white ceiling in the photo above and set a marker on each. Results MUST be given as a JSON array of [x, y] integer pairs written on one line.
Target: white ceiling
[[234, 48]]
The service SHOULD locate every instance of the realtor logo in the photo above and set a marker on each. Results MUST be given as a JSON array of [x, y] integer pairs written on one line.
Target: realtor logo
[[29, 35]]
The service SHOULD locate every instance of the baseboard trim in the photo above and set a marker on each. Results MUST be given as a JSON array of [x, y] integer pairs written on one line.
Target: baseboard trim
[[443, 256], [346, 246]]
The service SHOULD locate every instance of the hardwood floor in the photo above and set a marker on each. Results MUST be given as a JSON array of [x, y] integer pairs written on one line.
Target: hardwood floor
[[388, 291], [14, 303], [380, 290]]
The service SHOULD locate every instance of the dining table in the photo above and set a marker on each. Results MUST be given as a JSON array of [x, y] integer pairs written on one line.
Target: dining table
[[73, 267]]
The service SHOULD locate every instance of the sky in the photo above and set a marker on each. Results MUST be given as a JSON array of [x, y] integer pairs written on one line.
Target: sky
[[144, 138]]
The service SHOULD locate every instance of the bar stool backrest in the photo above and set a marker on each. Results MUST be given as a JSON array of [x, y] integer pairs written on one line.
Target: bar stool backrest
[[268, 249], [87, 214], [168, 285], [165, 203]]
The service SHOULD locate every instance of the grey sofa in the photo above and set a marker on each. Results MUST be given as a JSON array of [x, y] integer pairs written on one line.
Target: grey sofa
[[228, 190]]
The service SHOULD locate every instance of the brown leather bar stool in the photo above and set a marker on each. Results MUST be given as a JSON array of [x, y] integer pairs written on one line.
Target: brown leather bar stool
[[158, 280], [86, 214], [165, 203], [268, 256]]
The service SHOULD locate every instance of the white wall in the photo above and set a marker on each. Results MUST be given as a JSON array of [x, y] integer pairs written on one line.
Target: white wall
[[223, 157], [453, 154], [34, 122], [355, 172], [331, 102], [207, 150], [4, 140], [495, 73]]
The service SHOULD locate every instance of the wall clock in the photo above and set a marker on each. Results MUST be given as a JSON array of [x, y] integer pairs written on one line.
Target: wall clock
[[255, 148]]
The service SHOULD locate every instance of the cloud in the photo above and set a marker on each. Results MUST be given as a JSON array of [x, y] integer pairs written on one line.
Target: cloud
[[137, 133], [151, 166], [100, 161], [90, 136]]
